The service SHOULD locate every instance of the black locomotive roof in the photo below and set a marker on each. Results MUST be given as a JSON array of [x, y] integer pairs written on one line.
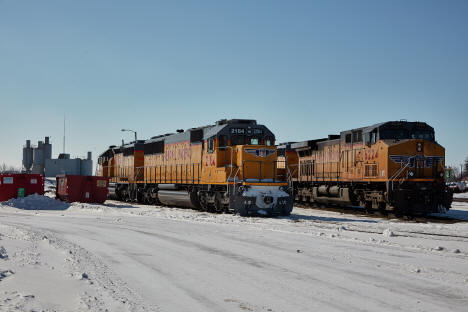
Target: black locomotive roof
[[108, 152], [309, 144], [212, 131], [245, 124], [313, 144], [412, 125], [220, 128], [285, 145]]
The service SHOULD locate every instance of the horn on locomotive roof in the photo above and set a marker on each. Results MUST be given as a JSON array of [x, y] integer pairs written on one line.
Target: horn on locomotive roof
[[180, 130]]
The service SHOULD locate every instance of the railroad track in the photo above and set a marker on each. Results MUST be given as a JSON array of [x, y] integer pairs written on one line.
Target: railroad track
[[358, 211], [465, 200]]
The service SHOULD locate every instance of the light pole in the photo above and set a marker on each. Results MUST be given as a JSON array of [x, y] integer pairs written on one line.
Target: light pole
[[131, 131]]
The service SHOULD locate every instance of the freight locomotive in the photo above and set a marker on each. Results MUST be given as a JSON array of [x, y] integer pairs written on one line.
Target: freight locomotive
[[230, 166], [394, 166]]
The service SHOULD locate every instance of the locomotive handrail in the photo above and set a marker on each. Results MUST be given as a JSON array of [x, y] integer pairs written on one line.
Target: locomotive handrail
[[233, 182], [171, 177]]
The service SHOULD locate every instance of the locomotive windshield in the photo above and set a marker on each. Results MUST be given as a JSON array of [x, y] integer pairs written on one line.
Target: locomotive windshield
[[423, 134], [402, 134], [394, 134]]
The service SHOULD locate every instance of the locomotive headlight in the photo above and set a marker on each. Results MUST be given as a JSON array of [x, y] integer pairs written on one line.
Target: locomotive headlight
[[419, 147], [411, 173]]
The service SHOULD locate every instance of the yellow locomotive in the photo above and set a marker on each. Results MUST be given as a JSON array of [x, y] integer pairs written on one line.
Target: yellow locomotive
[[392, 166], [231, 166]]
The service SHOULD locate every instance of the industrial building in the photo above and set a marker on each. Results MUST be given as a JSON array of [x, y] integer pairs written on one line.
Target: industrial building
[[38, 159]]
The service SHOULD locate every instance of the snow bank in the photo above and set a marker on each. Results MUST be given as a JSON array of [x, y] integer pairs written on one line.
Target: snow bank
[[36, 202]]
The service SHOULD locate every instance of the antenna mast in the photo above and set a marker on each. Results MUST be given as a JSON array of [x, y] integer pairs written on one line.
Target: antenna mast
[[64, 133]]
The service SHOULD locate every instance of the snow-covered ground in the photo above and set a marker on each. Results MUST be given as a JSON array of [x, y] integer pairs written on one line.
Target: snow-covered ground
[[125, 257], [460, 195]]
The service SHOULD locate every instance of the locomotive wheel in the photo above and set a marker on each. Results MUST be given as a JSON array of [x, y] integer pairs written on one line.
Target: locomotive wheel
[[241, 211], [118, 195], [147, 199], [219, 206], [212, 208], [203, 205], [140, 196], [195, 199], [125, 194]]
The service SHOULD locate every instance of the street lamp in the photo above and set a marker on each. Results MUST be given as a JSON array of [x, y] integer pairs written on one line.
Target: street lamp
[[131, 131]]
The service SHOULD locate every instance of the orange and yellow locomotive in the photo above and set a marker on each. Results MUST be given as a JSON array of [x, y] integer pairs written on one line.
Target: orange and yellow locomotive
[[392, 166], [230, 166]]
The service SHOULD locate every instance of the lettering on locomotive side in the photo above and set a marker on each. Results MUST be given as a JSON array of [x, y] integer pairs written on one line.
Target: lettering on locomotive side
[[237, 131], [210, 160], [371, 154], [180, 152]]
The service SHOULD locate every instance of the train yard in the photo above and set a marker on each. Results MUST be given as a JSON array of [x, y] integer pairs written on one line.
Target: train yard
[[135, 257], [361, 215]]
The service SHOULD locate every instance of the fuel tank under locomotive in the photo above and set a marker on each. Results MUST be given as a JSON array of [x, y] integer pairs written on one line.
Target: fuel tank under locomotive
[[253, 200], [326, 194], [171, 195]]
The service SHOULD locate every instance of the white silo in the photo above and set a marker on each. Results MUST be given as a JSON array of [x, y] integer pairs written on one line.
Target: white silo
[[27, 156], [38, 158]]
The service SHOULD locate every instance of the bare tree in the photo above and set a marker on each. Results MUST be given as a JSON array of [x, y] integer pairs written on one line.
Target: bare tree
[[4, 168], [465, 169], [453, 173]]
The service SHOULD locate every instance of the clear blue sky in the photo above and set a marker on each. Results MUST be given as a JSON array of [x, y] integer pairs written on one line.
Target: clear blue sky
[[304, 68]]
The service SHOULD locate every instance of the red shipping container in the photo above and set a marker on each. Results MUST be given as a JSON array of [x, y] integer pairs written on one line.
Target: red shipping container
[[20, 183], [82, 189]]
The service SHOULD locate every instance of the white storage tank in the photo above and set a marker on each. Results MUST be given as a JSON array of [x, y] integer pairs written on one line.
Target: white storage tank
[[27, 156], [38, 158]]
